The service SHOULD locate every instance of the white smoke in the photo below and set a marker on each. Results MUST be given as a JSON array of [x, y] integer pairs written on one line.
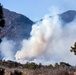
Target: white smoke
[[49, 43], [7, 49], [40, 35]]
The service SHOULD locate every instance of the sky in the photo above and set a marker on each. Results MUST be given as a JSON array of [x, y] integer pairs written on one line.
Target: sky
[[36, 9]]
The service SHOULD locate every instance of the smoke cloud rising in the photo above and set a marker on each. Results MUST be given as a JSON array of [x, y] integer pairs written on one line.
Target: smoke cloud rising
[[50, 42], [7, 49]]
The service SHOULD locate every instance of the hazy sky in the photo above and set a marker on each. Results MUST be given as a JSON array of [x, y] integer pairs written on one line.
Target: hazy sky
[[36, 9]]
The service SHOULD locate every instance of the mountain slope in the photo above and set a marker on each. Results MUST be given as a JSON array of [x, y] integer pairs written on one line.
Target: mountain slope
[[19, 26]]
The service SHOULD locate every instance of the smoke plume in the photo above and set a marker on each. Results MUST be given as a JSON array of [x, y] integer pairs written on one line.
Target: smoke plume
[[7, 49], [37, 44], [50, 42]]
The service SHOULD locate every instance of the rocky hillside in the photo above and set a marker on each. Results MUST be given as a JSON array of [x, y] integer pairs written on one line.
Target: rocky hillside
[[16, 26]]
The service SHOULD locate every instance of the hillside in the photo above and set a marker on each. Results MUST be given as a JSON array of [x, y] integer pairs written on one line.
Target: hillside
[[35, 69], [18, 26]]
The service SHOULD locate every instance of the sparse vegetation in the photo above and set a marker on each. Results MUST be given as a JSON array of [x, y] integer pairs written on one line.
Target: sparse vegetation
[[16, 73], [9, 64], [36, 69]]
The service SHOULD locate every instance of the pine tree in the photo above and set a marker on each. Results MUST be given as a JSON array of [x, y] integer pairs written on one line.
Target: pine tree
[[73, 49], [2, 21]]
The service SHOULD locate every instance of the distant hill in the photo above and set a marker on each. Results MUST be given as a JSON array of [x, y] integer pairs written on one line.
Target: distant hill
[[68, 16], [18, 26]]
